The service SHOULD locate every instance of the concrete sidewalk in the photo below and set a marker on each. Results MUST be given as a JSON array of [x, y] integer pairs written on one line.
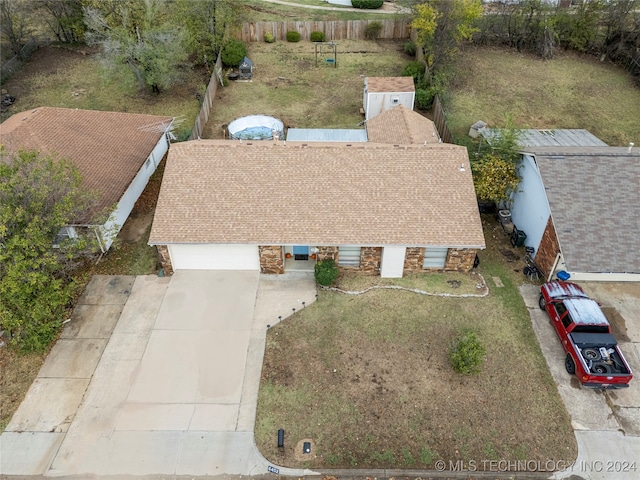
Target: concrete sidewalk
[[172, 390]]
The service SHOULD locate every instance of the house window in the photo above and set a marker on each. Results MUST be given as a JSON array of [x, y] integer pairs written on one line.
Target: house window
[[435, 257], [64, 233], [349, 256]]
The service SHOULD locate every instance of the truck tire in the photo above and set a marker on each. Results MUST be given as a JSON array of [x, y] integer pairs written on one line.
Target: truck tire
[[592, 354], [601, 368], [570, 365], [541, 302]]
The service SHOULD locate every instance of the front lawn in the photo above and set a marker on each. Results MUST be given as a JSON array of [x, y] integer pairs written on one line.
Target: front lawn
[[367, 380]]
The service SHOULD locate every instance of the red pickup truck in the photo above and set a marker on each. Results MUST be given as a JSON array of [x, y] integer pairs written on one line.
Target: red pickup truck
[[592, 351]]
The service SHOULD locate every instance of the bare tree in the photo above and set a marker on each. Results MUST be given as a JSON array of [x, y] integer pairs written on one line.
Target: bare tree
[[15, 23]]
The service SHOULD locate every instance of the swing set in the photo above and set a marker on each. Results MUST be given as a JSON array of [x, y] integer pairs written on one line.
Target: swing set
[[324, 49]]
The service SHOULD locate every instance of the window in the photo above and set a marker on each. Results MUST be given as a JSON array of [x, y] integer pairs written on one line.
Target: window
[[349, 256], [435, 257], [64, 233]]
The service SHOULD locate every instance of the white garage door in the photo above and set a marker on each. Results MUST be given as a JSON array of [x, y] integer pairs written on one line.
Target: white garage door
[[214, 257]]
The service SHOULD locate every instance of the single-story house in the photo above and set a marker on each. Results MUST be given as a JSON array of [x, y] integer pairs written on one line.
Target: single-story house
[[115, 152], [383, 93], [580, 210], [380, 208]]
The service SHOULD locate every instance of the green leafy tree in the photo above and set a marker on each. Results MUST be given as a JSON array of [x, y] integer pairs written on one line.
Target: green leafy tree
[[64, 18], [233, 53], [442, 25], [207, 23], [146, 43], [38, 195]]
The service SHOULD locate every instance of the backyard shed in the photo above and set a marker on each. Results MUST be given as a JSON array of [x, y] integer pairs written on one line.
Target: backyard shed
[[383, 93]]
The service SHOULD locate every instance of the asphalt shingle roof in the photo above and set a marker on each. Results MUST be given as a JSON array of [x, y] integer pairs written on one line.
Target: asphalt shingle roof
[[109, 148], [390, 84], [217, 191], [594, 197], [401, 126]]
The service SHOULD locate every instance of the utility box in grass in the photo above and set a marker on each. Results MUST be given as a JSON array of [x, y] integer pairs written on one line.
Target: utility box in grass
[[246, 69]]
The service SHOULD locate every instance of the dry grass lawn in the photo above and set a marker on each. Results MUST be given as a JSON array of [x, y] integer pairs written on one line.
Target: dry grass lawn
[[367, 379], [288, 85], [570, 91]]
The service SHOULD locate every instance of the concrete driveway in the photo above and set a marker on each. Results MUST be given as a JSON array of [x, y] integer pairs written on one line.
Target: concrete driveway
[[606, 424], [160, 376]]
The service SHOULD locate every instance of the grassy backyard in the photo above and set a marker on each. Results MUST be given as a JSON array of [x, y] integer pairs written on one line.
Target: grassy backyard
[[366, 378], [570, 91], [287, 84]]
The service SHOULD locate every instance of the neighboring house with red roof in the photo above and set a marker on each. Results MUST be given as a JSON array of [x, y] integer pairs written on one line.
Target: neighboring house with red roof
[[115, 152], [380, 208]]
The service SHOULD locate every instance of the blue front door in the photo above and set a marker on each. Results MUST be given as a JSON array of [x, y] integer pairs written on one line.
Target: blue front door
[[301, 252]]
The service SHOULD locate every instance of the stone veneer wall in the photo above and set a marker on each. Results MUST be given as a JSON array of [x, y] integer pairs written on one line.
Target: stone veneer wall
[[460, 259], [413, 259], [271, 259], [165, 259], [548, 249], [370, 259], [327, 252]]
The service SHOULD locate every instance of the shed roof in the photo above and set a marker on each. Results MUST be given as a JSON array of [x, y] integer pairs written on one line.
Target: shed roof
[[401, 126], [390, 84], [574, 137], [109, 148], [594, 199], [217, 191]]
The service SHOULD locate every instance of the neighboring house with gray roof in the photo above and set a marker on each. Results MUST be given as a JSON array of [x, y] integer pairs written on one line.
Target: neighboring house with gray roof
[[380, 208], [580, 210], [115, 152]]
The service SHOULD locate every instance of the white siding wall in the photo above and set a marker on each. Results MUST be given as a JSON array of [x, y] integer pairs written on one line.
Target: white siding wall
[[115, 222], [214, 257], [392, 265], [376, 103], [530, 208]]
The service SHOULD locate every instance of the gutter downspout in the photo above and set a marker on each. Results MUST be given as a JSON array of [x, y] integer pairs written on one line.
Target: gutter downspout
[[555, 264]]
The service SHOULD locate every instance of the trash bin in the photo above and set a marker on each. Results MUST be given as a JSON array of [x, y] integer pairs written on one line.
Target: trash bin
[[517, 238], [504, 216]]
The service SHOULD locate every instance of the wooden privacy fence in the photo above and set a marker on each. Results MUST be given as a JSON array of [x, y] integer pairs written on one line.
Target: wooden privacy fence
[[440, 120], [207, 101], [333, 30]]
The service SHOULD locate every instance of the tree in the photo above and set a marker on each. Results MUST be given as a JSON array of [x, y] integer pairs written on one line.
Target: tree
[[64, 18], [207, 23], [150, 46], [38, 195], [442, 25], [15, 23]]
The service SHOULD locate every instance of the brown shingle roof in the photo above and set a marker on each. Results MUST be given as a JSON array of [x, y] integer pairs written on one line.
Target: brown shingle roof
[[401, 126], [390, 84], [317, 194], [109, 148]]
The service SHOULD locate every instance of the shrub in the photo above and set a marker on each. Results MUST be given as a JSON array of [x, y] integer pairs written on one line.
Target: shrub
[[414, 69], [317, 36], [410, 48], [293, 36], [466, 353], [370, 4], [233, 53], [424, 98], [326, 272], [372, 32], [269, 38]]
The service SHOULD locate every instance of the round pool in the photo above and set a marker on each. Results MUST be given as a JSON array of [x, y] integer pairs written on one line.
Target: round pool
[[256, 127]]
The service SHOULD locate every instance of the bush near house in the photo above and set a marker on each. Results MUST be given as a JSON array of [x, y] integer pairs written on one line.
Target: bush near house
[[317, 36], [368, 4], [293, 36], [326, 272]]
